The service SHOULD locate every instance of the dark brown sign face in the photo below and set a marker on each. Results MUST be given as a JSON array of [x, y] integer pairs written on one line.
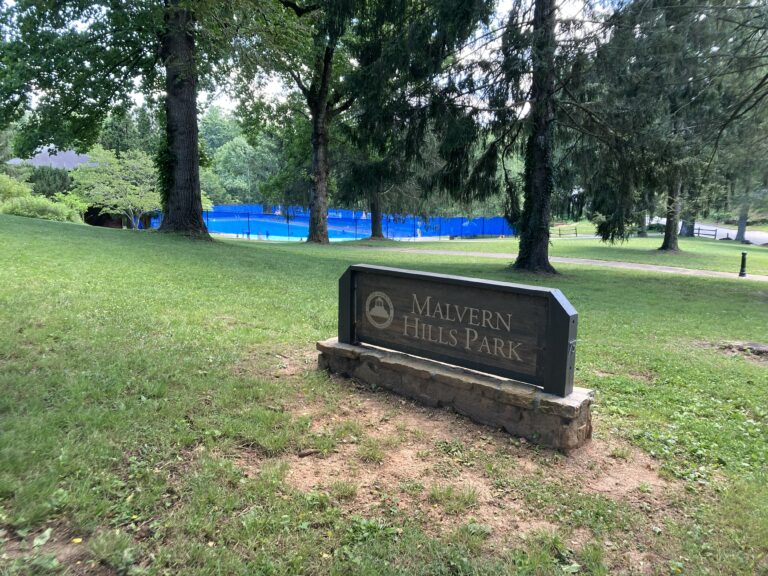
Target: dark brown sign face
[[523, 332]]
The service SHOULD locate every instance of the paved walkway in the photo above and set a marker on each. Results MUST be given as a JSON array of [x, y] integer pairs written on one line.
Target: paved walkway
[[586, 261], [754, 236]]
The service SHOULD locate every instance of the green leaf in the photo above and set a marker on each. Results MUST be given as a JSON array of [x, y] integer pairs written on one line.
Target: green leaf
[[42, 538]]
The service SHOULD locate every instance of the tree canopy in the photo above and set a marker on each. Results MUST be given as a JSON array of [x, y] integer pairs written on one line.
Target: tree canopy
[[619, 112]]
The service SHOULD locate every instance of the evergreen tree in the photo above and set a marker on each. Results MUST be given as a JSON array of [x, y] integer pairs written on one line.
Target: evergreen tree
[[338, 51], [650, 106], [533, 255], [47, 181], [493, 107], [119, 132]]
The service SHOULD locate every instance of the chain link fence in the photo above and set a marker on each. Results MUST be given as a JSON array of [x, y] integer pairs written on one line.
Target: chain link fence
[[258, 222]]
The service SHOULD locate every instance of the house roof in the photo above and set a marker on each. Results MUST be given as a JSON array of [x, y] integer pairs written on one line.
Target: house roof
[[67, 159]]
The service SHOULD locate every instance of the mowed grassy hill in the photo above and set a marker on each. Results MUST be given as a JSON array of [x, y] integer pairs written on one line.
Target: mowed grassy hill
[[161, 413]]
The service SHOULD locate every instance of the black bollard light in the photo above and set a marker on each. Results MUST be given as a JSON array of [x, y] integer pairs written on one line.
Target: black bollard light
[[743, 271]]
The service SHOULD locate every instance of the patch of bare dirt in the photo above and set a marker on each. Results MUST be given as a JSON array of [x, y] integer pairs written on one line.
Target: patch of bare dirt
[[70, 552], [752, 351], [276, 363], [645, 377], [425, 447], [617, 470], [641, 562]]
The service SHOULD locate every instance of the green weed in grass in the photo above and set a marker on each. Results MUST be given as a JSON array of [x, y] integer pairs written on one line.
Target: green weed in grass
[[116, 549], [411, 487], [349, 431], [453, 500], [471, 536], [620, 453], [370, 450], [545, 553], [343, 490]]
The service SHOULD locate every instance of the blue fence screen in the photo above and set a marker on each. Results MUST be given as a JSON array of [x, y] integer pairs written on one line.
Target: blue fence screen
[[255, 221]]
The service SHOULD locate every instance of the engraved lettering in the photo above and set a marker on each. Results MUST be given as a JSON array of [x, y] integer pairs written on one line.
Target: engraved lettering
[[471, 336], [409, 322], [500, 321], [419, 308]]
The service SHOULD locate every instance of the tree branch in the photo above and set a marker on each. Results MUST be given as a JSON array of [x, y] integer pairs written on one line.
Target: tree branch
[[299, 10], [299, 83], [344, 106]]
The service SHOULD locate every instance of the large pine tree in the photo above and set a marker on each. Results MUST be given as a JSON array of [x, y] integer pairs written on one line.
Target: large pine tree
[[539, 178], [651, 105], [340, 53]]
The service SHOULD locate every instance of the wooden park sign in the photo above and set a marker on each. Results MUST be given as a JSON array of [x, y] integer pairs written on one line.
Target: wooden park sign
[[525, 333]]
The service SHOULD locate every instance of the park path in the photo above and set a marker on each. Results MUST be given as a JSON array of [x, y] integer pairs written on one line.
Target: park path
[[510, 256], [755, 236]]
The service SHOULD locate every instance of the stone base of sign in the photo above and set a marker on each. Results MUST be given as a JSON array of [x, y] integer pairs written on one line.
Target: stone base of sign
[[521, 410]]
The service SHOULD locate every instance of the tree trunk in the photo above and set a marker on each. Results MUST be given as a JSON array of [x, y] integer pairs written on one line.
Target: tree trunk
[[321, 112], [183, 204], [689, 213], [642, 225], [376, 228], [673, 216], [318, 201], [743, 218], [533, 254]]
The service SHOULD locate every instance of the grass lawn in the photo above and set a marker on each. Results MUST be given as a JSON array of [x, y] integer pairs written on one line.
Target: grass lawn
[[161, 414], [699, 253], [568, 228]]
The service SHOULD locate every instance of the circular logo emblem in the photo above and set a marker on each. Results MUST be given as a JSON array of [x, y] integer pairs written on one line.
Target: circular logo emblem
[[379, 310]]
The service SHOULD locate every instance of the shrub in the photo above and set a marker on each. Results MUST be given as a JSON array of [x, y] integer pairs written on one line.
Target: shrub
[[73, 201], [12, 188], [39, 207], [48, 181]]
